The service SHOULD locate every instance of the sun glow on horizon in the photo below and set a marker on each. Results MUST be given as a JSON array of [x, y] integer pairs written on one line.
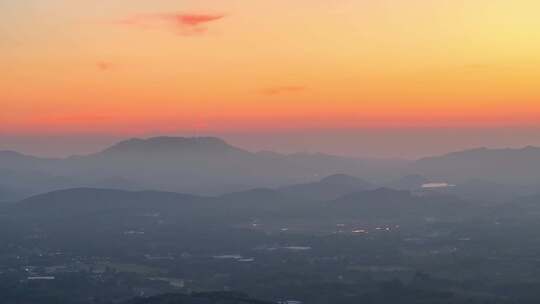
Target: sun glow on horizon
[[131, 66]]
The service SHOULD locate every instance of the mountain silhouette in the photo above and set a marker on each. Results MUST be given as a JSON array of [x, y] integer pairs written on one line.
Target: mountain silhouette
[[202, 165], [328, 188], [84, 201], [512, 166], [171, 145]]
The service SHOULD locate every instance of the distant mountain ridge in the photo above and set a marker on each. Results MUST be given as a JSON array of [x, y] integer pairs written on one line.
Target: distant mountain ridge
[[203, 165], [513, 166], [209, 165]]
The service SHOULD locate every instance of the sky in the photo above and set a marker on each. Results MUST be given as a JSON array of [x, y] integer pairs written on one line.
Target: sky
[[400, 78]]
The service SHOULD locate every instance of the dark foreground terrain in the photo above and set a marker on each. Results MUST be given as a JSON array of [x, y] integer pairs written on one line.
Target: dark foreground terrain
[[371, 246]]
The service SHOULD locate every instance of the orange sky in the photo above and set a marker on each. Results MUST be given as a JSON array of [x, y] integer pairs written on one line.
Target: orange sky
[[136, 66]]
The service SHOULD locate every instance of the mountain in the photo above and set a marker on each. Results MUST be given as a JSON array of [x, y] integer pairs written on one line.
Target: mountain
[[171, 145], [108, 222], [88, 201], [328, 188], [15, 160], [202, 165], [118, 206], [93, 202], [510, 166], [255, 196], [492, 192], [210, 166]]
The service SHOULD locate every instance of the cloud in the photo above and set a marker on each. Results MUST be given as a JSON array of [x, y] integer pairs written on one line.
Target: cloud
[[180, 23], [104, 66], [283, 90], [194, 19]]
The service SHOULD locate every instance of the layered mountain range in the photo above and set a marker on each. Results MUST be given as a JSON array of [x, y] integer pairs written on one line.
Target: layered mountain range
[[207, 165]]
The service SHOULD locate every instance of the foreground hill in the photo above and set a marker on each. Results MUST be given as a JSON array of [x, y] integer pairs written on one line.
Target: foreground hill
[[106, 246], [273, 205], [83, 201], [199, 298]]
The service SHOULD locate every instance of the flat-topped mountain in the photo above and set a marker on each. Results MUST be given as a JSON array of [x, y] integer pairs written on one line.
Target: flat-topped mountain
[[171, 145]]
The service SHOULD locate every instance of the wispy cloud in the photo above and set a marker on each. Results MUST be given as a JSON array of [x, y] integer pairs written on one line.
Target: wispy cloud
[[180, 23], [272, 91], [104, 65]]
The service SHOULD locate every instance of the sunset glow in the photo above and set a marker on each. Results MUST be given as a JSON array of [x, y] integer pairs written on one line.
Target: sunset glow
[[126, 67]]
